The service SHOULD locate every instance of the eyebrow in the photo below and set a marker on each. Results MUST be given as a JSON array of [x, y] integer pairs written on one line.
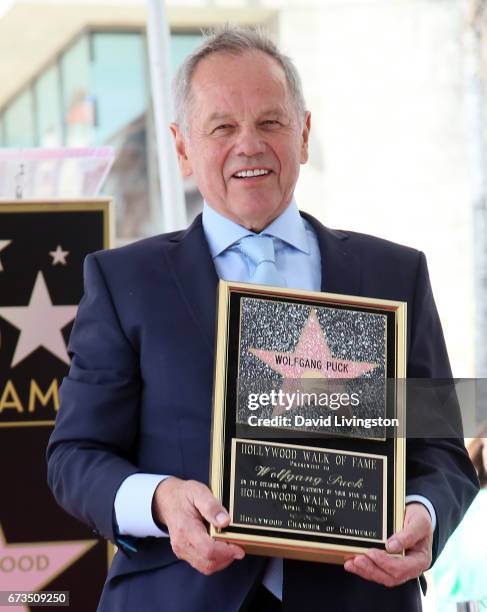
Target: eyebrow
[[216, 116]]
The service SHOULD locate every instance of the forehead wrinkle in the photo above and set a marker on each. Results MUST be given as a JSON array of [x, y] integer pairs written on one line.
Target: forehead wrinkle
[[274, 111], [230, 97]]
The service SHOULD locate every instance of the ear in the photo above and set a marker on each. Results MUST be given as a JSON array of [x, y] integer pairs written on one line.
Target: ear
[[305, 137], [180, 142]]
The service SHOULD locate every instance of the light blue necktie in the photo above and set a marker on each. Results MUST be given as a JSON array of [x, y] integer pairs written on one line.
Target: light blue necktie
[[260, 250]]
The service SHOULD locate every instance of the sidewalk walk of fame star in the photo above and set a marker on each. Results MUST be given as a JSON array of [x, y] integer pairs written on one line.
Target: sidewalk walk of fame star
[[40, 324], [311, 348], [31, 566]]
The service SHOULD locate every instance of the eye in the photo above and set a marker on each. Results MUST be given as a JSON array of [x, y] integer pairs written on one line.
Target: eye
[[270, 123], [222, 128]]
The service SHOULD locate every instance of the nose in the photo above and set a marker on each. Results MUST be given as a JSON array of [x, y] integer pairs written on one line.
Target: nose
[[249, 142]]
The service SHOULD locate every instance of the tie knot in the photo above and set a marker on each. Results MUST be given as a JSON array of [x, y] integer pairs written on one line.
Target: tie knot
[[258, 248]]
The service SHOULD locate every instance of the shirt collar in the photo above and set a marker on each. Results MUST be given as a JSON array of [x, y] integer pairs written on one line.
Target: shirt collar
[[221, 232]]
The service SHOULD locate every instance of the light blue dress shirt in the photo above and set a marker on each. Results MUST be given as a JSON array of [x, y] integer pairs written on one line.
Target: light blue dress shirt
[[297, 251], [298, 259]]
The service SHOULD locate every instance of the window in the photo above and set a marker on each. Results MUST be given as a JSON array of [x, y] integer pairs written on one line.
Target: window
[[19, 121], [47, 94], [78, 111], [119, 84]]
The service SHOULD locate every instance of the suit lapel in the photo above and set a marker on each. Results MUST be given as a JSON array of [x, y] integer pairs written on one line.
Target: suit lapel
[[195, 275], [340, 269]]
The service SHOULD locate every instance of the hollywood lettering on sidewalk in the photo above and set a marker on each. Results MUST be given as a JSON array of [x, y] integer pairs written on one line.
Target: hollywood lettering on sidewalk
[[306, 452]]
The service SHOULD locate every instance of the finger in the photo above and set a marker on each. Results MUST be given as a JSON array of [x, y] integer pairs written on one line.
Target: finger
[[209, 556], [226, 550], [208, 506], [211, 549], [191, 541], [218, 547], [365, 568], [208, 566], [214, 560], [399, 568]]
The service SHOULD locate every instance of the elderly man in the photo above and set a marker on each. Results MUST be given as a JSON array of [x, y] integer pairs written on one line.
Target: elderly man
[[130, 451]]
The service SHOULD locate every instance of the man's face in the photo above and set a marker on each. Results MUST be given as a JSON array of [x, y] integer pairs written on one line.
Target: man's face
[[242, 120]]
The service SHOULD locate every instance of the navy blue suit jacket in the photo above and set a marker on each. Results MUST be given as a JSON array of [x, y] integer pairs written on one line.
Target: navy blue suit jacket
[[138, 399]]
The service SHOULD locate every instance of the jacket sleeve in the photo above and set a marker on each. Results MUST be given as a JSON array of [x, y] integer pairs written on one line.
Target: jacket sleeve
[[90, 451], [437, 468]]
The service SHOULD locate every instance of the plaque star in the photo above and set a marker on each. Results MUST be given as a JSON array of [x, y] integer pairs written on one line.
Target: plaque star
[[310, 359], [3, 245], [31, 566], [59, 256], [40, 324]]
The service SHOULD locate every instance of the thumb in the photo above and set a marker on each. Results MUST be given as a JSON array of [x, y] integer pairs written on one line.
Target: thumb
[[416, 526], [210, 508]]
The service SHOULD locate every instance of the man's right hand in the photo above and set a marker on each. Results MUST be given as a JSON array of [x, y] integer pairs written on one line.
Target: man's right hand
[[183, 506]]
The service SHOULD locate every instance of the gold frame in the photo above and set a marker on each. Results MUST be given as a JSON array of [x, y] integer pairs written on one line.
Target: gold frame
[[68, 205], [287, 546]]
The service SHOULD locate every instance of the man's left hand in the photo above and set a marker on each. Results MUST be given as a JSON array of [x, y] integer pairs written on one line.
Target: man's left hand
[[415, 539]]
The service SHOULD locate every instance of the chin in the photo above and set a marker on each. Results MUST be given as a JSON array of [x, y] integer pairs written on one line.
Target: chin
[[255, 220], [256, 214]]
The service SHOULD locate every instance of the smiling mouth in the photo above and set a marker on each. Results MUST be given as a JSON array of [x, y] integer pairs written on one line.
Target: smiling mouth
[[252, 174]]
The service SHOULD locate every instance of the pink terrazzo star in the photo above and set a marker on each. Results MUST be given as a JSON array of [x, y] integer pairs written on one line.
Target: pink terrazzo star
[[310, 359], [31, 566]]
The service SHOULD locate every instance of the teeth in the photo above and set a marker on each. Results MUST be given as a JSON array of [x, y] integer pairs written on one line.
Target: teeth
[[246, 173]]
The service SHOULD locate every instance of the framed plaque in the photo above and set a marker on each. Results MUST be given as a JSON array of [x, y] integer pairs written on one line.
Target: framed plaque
[[43, 244], [307, 452]]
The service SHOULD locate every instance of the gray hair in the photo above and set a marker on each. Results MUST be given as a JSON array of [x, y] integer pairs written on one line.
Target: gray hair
[[235, 41]]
